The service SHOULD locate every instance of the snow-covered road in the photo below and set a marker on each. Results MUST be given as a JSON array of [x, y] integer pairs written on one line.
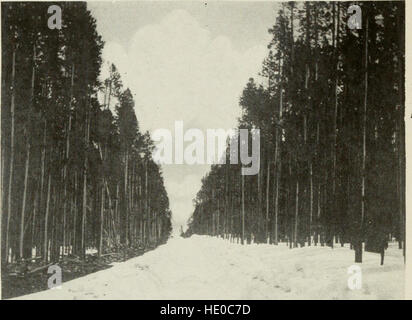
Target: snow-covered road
[[203, 267]]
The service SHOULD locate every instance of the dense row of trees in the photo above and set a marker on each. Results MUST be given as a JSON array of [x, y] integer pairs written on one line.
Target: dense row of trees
[[76, 170], [332, 135]]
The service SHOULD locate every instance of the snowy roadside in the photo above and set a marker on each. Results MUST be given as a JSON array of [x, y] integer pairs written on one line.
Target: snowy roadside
[[203, 267]]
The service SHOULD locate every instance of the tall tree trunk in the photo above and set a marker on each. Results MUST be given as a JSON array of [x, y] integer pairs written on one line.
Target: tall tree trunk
[[74, 240], [27, 164], [311, 204], [267, 201], [23, 209], [358, 247], [46, 221], [335, 115], [11, 167], [146, 200], [84, 204], [116, 209], [292, 40], [67, 156], [243, 209], [100, 251], [278, 160], [306, 114], [125, 213], [43, 164], [295, 233], [84, 213], [259, 211], [401, 133]]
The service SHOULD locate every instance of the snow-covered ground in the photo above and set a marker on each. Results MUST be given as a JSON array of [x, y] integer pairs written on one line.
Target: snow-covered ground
[[203, 267]]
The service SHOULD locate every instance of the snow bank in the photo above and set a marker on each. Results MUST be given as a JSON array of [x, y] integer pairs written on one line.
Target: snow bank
[[204, 267]]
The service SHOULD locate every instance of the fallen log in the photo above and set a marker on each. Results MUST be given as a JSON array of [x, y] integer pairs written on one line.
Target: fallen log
[[40, 268], [109, 254]]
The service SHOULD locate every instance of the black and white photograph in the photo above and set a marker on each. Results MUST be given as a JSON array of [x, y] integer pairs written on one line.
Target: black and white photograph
[[203, 150]]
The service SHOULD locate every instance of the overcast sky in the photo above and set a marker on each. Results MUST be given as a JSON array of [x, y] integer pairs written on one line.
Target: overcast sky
[[185, 61]]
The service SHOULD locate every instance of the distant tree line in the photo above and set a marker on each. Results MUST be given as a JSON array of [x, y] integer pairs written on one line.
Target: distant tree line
[[332, 135], [74, 174]]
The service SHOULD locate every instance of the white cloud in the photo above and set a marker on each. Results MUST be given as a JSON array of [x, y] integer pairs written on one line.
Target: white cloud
[[177, 71]]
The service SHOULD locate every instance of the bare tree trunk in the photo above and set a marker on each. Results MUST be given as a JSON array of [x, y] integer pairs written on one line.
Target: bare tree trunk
[[311, 205], [43, 161], [145, 219], [401, 136], [34, 223], [292, 54], [317, 235], [116, 209], [74, 240], [227, 226], [46, 221], [296, 214], [11, 169], [84, 212], [84, 204], [111, 218], [67, 155], [278, 160], [23, 209], [243, 209], [125, 218], [277, 181], [358, 247], [101, 220], [267, 201], [335, 116], [27, 164]]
